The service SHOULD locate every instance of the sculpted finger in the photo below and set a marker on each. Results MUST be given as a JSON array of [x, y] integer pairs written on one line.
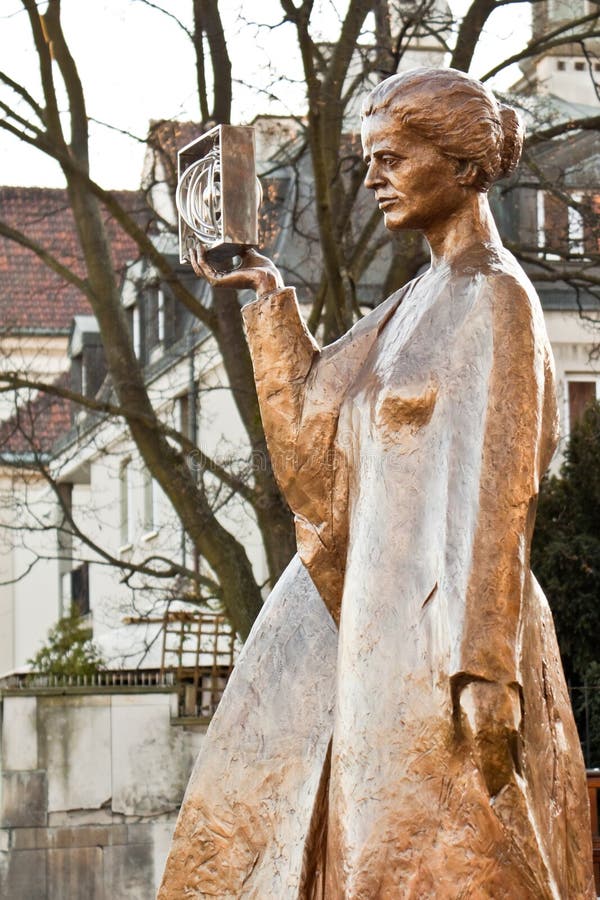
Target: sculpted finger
[[194, 262], [201, 266]]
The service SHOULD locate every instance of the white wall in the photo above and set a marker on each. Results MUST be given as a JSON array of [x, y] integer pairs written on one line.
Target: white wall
[[568, 83], [91, 786], [29, 601]]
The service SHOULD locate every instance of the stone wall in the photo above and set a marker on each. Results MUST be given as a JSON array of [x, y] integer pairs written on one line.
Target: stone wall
[[91, 782]]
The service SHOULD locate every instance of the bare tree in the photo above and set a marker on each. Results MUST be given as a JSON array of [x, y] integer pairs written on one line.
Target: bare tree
[[372, 40]]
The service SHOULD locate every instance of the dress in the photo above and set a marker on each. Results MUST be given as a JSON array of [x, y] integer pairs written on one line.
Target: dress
[[410, 452]]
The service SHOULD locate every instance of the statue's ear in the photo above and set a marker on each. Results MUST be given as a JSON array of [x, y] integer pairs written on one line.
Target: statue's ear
[[467, 172]]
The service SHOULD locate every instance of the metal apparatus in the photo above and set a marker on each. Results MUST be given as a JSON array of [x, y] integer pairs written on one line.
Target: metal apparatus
[[218, 193]]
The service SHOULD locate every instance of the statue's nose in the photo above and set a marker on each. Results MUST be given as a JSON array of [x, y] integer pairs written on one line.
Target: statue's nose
[[373, 176]]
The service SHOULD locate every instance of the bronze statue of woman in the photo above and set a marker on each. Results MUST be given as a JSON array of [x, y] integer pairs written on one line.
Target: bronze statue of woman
[[422, 746]]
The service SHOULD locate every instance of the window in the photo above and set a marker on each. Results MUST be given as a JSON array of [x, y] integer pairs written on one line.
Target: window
[[75, 590], [136, 331], [88, 369], [593, 235], [551, 225], [561, 65], [597, 67], [160, 311], [579, 66], [183, 415], [151, 492], [160, 321], [580, 392], [65, 594], [541, 221], [187, 414], [126, 502], [80, 589], [575, 227], [149, 301], [175, 318], [564, 229]]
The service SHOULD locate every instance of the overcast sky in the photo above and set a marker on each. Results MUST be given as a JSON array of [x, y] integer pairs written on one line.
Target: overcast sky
[[136, 65]]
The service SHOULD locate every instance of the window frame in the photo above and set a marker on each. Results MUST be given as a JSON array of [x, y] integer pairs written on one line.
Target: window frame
[[577, 377]]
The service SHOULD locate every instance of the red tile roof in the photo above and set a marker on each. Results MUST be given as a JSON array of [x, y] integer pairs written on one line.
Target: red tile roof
[[36, 424], [32, 297]]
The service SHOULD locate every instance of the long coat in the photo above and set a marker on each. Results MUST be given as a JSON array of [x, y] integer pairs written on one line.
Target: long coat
[[410, 452]]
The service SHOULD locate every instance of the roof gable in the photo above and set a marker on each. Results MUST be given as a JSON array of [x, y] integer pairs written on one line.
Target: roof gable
[[35, 425]]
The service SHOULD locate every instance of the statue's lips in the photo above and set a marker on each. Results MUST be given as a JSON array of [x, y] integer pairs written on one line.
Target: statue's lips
[[383, 202]]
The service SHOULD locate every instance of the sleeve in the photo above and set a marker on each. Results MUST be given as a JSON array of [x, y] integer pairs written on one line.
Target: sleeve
[[519, 427], [300, 390], [299, 406], [283, 353]]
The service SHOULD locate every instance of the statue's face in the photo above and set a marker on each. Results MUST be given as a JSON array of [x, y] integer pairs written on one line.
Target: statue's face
[[415, 185]]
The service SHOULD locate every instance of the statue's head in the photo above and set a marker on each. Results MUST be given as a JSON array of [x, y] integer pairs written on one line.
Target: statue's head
[[458, 115], [434, 141]]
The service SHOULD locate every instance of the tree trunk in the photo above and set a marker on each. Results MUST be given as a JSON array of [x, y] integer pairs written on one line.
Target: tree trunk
[[272, 512], [225, 555]]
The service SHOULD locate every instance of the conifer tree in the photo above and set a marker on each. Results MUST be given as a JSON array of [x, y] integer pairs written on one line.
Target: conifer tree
[[69, 650]]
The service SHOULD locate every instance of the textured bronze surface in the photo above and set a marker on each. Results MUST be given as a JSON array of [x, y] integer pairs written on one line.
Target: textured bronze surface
[[410, 452], [246, 815]]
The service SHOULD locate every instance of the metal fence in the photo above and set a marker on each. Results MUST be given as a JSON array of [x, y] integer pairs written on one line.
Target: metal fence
[[135, 678]]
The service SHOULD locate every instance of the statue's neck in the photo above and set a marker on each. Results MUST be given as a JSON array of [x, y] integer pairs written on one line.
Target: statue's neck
[[471, 226]]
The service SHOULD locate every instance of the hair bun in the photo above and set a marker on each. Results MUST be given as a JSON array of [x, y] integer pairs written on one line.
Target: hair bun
[[512, 143]]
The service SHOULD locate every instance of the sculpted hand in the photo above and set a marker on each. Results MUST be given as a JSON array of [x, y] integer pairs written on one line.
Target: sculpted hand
[[256, 272], [491, 715]]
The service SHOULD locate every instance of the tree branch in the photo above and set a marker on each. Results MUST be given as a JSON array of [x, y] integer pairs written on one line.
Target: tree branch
[[42, 46], [14, 381], [72, 82], [469, 33], [24, 94], [590, 123]]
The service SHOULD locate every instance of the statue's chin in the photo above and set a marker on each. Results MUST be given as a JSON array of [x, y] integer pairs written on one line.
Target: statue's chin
[[395, 221], [391, 225]]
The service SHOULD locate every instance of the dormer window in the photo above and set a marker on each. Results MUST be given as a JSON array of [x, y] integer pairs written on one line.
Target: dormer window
[[88, 362], [164, 319], [153, 302]]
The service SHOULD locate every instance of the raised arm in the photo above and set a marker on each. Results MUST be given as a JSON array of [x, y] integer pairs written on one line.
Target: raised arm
[[300, 390], [299, 403], [282, 350], [283, 355]]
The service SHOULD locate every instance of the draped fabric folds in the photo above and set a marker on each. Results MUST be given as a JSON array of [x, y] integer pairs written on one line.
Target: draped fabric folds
[[410, 452]]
